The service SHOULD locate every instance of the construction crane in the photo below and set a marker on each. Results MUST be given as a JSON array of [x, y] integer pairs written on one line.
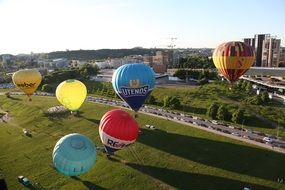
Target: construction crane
[[172, 45]]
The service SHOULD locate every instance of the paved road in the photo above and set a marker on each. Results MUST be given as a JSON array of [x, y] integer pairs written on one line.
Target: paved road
[[252, 137]]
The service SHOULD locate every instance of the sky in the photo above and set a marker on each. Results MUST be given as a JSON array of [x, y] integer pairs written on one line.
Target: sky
[[57, 25]]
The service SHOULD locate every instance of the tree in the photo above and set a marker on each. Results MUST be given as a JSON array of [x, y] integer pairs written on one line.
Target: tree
[[255, 100], [213, 110], [87, 70], [223, 113], [180, 73], [264, 97], [244, 84], [47, 88], [248, 88], [196, 62], [238, 116], [150, 100], [171, 102]]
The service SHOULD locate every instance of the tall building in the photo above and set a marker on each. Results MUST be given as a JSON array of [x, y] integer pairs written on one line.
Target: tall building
[[160, 61], [270, 52], [258, 47], [250, 42], [282, 57]]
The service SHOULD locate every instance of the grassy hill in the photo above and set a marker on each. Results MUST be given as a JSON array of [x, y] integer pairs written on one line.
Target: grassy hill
[[173, 157]]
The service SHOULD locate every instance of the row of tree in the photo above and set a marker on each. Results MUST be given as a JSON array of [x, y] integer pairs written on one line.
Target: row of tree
[[99, 54], [51, 80], [196, 74], [196, 62], [216, 111]]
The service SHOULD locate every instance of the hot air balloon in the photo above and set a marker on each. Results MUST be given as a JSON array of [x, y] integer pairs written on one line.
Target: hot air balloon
[[71, 94], [233, 59], [74, 154], [27, 80], [117, 129], [133, 83]]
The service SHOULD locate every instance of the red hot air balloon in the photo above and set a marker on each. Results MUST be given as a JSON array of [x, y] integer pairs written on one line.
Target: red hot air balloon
[[117, 129]]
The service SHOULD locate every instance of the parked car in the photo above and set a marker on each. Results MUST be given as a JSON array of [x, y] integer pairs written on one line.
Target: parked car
[[23, 180], [267, 139], [236, 134]]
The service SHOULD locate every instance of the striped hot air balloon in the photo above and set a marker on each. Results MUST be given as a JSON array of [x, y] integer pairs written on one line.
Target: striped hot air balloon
[[233, 59]]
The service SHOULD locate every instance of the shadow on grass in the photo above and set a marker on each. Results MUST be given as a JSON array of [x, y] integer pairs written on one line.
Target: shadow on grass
[[224, 155], [14, 98], [189, 180], [3, 184], [88, 184], [96, 121], [192, 109], [253, 121]]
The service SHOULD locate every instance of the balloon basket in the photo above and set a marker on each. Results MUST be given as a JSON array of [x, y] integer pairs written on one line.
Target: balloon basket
[[74, 113]]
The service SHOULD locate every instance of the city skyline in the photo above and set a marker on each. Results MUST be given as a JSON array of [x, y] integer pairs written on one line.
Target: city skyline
[[44, 26]]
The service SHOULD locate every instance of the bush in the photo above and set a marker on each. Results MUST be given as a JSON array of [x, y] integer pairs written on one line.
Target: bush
[[7, 94]]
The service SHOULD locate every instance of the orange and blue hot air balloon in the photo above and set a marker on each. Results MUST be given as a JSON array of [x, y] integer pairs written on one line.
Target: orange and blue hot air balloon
[[117, 130], [134, 83], [233, 59]]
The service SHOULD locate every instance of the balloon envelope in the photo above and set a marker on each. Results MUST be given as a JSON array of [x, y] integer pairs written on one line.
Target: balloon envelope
[[117, 129], [233, 59], [133, 83], [71, 94], [27, 80], [74, 154]]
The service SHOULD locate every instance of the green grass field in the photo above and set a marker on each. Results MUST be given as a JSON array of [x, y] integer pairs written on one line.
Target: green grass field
[[197, 100], [173, 157]]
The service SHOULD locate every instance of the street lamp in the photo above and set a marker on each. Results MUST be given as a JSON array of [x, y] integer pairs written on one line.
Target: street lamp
[[278, 129], [242, 127]]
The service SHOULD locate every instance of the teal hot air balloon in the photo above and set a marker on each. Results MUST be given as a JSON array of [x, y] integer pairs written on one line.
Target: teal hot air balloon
[[134, 83], [74, 154]]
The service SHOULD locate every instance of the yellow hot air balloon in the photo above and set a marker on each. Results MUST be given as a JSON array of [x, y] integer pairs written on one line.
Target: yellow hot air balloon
[[27, 80], [71, 94]]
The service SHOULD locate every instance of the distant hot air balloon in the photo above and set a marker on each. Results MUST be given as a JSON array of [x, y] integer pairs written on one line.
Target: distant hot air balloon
[[71, 94], [233, 59], [117, 129], [74, 154], [27, 80], [133, 83]]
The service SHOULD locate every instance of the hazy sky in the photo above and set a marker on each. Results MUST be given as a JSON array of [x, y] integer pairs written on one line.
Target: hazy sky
[[51, 25]]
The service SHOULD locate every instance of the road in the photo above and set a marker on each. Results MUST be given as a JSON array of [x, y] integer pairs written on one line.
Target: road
[[253, 137]]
